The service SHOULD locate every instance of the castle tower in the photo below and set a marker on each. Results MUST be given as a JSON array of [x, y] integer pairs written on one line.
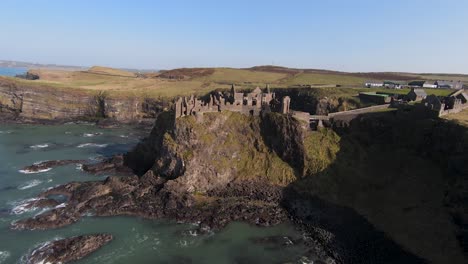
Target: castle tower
[[285, 105], [268, 88], [178, 107]]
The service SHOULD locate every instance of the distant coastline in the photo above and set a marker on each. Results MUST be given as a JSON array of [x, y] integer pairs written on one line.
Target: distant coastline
[[12, 71]]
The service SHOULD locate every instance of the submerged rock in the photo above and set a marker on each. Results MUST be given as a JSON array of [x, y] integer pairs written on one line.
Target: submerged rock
[[69, 249], [47, 165], [114, 164]]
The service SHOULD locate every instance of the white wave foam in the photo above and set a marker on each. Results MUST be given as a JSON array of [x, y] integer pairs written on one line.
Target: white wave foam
[[20, 207], [39, 162], [124, 136], [62, 205], [34, 172], [183, 243], [96, 158], [4, 255], [92, 145], [92, 134], [40, 247], [29, 184], [40, 146], [6, 132], [193, 233], [79, 167]]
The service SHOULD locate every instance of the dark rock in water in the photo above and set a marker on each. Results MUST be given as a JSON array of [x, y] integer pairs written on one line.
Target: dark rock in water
[[50, 164], [28, 76], [69, 249], [111, 165], [151, 197], [108, 123], [42, 203]]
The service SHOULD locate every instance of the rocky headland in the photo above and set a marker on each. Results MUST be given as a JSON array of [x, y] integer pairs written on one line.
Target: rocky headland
[[42, 104], [335, 185]]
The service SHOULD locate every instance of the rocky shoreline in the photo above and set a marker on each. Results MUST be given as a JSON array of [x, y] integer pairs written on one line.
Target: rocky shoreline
[[69, 249], [332, 234], [191, 172]]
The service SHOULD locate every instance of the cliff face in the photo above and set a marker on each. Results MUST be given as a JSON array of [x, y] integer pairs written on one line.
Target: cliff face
[[30, 103], [221, 148], [404, 176]]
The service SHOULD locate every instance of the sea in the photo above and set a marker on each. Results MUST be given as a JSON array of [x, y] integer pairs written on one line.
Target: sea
[[136, 240], [11, 71]]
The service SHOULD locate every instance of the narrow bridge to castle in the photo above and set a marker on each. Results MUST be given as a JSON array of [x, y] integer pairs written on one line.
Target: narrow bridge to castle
[[345, 116]]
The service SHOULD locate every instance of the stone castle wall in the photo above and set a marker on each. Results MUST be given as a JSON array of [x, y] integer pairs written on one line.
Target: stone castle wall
[[249, 104]]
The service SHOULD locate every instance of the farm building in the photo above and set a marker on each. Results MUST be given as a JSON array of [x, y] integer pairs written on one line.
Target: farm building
[[416, 94], [434, 103], [416, 84], [393, 84], [430, 84], [449, 85], [370, 84]]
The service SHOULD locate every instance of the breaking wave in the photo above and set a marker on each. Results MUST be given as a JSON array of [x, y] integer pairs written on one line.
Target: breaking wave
[[39, 247], [92, 134], [29, 184], [34, 172], [4, 255], [21, 206], [92, 145], [40, 146]]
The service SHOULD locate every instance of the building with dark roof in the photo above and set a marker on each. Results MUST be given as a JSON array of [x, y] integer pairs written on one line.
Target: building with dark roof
[[416, 95], [416, 84], [449, 85]]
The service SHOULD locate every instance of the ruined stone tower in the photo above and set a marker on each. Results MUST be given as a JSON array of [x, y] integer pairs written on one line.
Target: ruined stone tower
[[285, 105]]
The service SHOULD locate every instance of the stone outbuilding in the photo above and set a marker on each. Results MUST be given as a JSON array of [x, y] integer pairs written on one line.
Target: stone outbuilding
[[416, 94]]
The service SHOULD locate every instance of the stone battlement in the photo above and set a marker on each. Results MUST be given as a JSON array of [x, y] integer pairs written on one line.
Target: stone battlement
[[247, 103]]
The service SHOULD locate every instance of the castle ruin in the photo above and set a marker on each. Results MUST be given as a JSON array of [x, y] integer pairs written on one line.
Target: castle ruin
[[246, 103]]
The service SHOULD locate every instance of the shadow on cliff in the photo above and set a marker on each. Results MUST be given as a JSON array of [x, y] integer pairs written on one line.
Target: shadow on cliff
[[385, 169]]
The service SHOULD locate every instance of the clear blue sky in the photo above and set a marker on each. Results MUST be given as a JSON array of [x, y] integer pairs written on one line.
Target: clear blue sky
[[360, 35]]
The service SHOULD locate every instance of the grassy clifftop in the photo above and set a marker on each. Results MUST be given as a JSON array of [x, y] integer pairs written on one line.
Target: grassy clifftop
[[200, 81], [222, 147], [110, 71]]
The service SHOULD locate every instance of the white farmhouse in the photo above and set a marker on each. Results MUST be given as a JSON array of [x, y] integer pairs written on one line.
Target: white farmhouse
[[370, 84], [430, 84]]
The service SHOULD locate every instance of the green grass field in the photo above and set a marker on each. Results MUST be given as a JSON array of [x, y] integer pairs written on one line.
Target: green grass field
[[122, 83], [324, 79]]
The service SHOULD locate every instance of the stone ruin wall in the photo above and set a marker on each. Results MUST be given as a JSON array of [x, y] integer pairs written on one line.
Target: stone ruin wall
[[249, 104]]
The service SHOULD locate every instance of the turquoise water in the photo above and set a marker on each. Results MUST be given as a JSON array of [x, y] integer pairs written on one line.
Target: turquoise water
[[7, 71], [135, 240]]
